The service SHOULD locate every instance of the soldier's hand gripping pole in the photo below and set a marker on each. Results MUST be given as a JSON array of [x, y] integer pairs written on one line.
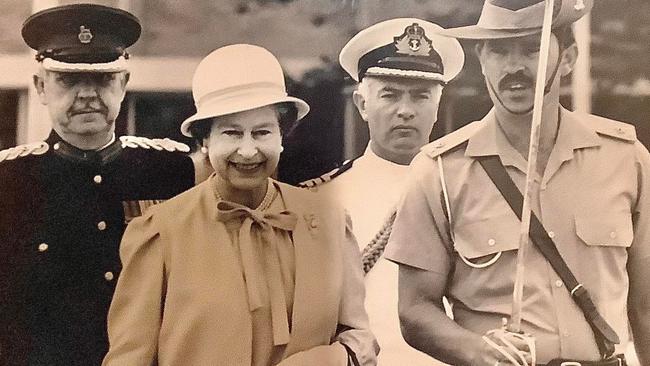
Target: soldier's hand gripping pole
[[517, 294]]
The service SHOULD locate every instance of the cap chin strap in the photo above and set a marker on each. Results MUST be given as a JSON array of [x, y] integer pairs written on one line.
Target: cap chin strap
[[547, 89], [114, 66]]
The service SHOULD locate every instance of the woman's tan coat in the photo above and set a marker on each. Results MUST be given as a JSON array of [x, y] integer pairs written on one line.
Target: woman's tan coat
[[181, 297]]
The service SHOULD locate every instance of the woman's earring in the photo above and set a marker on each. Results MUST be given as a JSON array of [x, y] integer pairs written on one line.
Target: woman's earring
[[281, 148], [204, 150]]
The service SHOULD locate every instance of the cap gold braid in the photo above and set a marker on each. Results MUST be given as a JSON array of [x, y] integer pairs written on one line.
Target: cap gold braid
[[374, 250]]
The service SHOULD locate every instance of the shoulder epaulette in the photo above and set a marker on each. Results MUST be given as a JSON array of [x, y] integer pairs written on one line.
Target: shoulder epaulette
[[311, 183], [156, 144], [618, 130], [36, 148], [450, 141]]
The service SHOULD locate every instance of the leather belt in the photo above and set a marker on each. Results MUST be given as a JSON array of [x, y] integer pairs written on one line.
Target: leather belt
[[618, 360]]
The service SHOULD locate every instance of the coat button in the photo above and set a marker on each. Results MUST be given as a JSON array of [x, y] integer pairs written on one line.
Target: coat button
[[43, 247], [101, 225], [491, 242], [97, 179], [57, 146], [612, 234], [558, 283], [109, 276], [551, 234]]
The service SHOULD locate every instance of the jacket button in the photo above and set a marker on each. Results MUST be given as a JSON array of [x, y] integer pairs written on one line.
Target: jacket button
[[43, 247], [101, 225], [551, 234], [109, 276], [612, 234], [491, 242], [558, 283], [97, 179]]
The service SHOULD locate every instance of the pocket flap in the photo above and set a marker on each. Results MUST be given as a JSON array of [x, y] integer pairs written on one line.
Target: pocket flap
[[492, 235], [613, 230]]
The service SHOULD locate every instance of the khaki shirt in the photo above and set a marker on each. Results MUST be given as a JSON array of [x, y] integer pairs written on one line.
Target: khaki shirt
[[592, 199]]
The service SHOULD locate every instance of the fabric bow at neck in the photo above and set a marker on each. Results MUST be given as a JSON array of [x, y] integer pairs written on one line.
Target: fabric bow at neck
[[258, 239]]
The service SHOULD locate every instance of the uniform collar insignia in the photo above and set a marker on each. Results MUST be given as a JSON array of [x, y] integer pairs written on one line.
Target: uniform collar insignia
[[70, 152], [413, 41]]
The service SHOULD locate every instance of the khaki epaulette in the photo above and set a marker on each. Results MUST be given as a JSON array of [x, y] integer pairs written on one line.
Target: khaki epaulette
[[156, 144], [314, 182], [450, 141], [36, 148], [618, 130]]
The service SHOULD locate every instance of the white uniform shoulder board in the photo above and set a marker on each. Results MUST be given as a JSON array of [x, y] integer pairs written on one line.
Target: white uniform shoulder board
[[618, 130], [156, 144], [36, 148], [311, 183], [450, 141]]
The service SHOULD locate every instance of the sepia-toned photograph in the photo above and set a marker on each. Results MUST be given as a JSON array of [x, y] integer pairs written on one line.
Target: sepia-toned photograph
[[324, 182]]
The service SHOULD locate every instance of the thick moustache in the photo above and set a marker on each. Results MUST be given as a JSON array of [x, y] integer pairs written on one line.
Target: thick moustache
[[511, 81], [84, 111]]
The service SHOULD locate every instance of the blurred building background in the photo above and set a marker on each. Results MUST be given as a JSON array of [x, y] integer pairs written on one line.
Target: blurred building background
[[613, 79]]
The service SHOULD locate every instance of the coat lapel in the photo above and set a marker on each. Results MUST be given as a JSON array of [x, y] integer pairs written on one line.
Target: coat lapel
[[317, 275]]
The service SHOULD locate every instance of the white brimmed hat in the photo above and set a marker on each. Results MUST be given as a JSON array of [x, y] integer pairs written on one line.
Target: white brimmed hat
[[517, 18], [403, 47], [238, 78], [81, 37]]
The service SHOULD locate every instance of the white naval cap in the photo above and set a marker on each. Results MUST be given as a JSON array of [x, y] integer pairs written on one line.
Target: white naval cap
[[403, 47]]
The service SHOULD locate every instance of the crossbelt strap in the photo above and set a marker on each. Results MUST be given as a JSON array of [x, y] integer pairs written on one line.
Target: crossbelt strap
[[605, 336]]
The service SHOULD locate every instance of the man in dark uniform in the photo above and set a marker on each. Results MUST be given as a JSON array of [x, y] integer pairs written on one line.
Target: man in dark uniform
[[65, 202]]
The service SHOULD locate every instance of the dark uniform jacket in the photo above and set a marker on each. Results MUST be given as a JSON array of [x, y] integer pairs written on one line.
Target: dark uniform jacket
[[62, 215]]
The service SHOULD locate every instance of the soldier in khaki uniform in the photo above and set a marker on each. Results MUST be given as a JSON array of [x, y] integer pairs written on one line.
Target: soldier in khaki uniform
[[455, 235]]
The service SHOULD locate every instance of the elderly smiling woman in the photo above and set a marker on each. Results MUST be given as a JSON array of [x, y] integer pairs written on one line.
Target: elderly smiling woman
[[242, 269]]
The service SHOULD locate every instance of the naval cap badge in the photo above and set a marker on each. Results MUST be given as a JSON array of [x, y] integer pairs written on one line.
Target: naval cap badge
[[413, 41], [85, 36]]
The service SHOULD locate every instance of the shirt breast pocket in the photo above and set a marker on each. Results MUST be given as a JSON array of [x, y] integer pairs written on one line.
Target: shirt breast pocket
[[480, 243], [614, 230]]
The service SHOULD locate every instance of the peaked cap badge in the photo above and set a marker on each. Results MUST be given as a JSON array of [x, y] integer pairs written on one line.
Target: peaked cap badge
[[580, 5], [413, 41], [85, 36]]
